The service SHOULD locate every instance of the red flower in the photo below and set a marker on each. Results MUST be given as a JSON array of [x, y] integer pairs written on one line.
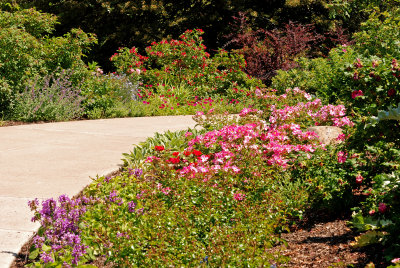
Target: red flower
[[175, 154], [159, 148], [187, 153], [391, 92], [174, 160], [197, 153]]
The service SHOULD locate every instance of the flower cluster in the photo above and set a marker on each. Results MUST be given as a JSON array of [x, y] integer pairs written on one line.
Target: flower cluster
[[59, 222], [314, 111]]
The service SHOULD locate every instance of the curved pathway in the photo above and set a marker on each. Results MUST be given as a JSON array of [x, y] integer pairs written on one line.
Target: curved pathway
[[47, 160]]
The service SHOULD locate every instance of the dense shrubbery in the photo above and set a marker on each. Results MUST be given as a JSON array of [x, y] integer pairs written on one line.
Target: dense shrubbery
[[365, 78], [128, 23], [218, 198], [28, 55], [267, 51], [221, 195]]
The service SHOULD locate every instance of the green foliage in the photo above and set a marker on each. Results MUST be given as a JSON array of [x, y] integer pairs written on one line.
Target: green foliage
[[104, 94], [28, 53], [324, 77], [391, 114], [5, 97], [380, 34]]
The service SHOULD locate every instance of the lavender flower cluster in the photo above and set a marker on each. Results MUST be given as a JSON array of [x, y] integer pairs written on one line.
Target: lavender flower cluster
[[55, 98], [59, 222]]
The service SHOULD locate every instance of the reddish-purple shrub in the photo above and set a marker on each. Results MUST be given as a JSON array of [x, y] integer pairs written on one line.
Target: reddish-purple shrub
[[266, 51]]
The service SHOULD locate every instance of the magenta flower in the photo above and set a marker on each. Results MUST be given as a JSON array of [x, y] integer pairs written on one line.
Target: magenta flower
[[239, 196], [356, 93], [166, 191], [342, 157], [382, 207]]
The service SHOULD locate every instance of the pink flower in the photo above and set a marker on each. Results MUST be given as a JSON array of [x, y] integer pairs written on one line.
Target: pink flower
[[341, 137], [235, 169], [359, 179], [396, 260], [239, 196], [356, 93], [382, 207], [371, 212], [341, 156], [166, 191], [204, 158], [151, 158], [199, 113], [245, 111]]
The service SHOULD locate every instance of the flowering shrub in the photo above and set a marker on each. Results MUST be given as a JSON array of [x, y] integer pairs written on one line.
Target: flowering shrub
[[363, 76], [185, 64], [53, 99]]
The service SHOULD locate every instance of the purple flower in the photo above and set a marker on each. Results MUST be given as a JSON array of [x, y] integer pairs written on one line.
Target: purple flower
[[46, 257], [107, 179], [33, 204], [112, 196], [138, 172], [140, 211], [60, 225], [131, 206]]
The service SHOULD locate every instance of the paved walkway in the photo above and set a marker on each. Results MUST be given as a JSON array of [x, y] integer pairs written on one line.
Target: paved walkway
[[47, 160]]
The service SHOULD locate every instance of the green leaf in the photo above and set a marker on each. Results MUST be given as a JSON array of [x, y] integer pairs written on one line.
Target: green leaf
[[34, 254], [46, 248], [369, 238]]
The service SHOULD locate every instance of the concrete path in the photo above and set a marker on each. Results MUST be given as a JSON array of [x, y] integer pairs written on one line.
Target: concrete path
[[47, 160]]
